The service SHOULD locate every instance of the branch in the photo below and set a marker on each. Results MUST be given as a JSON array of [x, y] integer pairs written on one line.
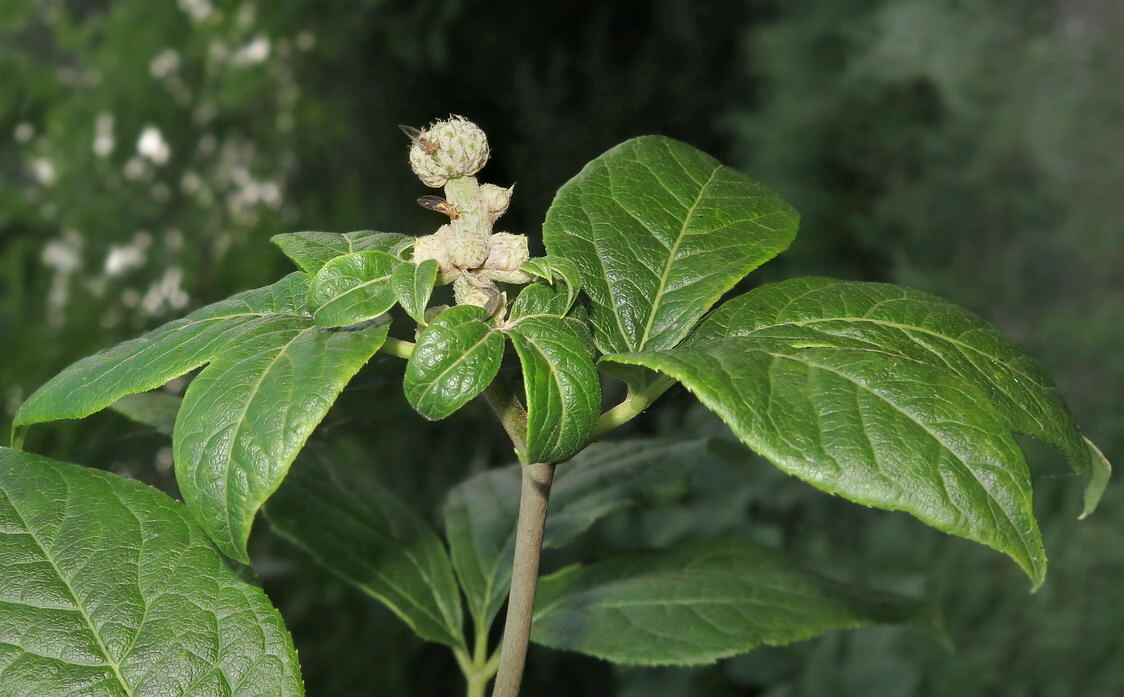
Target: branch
[[533, 501]]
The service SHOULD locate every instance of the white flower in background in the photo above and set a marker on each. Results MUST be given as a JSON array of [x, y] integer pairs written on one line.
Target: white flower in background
[[24, 132], [121, 259], [198, 10], [64, 256], [165, 293], [44, 171], [254, 52], [152, 146], [103, 135], [164, 64]]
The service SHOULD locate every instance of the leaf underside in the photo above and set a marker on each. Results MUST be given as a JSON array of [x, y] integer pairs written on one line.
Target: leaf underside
[[698, 603], [340, 514], [109, 589]]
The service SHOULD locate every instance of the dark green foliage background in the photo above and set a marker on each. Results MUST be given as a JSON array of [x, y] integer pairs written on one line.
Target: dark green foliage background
[[973, 150]]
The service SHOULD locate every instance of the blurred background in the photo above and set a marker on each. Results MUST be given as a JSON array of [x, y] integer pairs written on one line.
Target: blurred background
[[148, 150]]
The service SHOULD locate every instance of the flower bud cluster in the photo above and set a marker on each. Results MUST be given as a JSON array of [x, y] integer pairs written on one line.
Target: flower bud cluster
[[468, 253]]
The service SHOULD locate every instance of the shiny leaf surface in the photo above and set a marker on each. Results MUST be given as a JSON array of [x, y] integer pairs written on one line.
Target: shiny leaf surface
[[659, 231], [563, 389], [311, 250], [161, 355], [871, 427], [352, 288], [108, 588], [247, 415], [413, 285], [456, 357]]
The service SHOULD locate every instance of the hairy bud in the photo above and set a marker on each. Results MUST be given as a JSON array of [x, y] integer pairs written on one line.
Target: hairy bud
[[448, 149]]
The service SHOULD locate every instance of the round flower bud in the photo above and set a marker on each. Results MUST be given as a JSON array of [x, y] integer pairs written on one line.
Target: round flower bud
[[496, 198], [447, 150]]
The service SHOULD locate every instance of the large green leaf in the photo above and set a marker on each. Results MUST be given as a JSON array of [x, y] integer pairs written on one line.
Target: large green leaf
[[248, 414], [352, 288], [163, 354], [562, 386], [413, 285], [480, 512], [352, 525], [871, 427], [311, 250], [916, 326], [659, 231], [698, 603], [456, 357], [108, 588]]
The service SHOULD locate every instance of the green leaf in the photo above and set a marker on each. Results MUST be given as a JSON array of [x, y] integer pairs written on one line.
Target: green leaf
[[413, 285], [247, 415], [913, 325], [109, 588], [352, 288], [163, 354], [456, 357], [550, 269], [698, 603], [480, 513], [311, 250], [155, 409], [353, 526], [659, 232], [1101, 472], [540, 299], [562, 386], [871, 427]]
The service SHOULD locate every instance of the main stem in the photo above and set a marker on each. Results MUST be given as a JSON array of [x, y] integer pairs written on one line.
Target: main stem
[[533, 501]]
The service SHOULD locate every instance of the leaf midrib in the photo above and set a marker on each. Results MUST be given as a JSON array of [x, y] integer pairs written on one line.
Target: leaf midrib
[[940, 441], [449, 624], [430, 385], [228, 456], [116, 668], [903, 327], [671, 256]]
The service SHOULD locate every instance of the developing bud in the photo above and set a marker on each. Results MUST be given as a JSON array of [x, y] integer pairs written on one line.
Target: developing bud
[[447, 150], [496, 198], [506, 254]]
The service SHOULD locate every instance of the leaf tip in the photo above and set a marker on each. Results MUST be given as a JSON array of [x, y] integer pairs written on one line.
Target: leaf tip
[[1100, 473]]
